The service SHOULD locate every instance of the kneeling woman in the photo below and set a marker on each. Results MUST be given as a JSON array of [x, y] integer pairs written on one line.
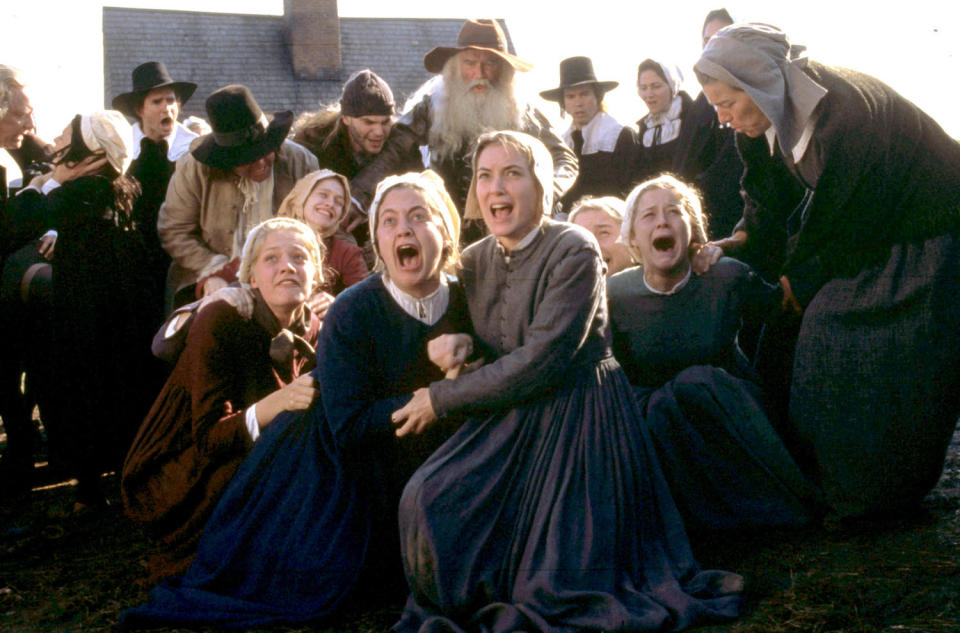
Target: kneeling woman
[[675, 334], [243, 364], [311, 515], [544, 511]]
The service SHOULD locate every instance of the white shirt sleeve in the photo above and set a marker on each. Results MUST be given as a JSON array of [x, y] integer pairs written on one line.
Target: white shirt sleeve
[[253, 425]]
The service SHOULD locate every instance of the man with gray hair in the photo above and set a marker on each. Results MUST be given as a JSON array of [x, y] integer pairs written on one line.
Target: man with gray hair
[[474, 92]]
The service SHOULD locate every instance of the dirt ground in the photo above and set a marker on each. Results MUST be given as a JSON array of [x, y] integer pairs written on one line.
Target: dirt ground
[[61, 573]]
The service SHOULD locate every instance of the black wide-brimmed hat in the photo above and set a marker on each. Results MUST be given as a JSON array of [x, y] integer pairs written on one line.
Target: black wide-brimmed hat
[[576, 71], [147, 77], [481, 35], [242, 133]]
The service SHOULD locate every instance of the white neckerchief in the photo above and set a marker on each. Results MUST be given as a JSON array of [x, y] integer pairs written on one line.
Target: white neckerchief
[[680, 284], [668, 121], [257, 207], [427, 310], [801, 147], [178, 142], [599, 135]]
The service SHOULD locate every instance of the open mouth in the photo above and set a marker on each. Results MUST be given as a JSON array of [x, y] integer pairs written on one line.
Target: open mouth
[[501, 211], [166, 121], [408, 257], [664, 243]]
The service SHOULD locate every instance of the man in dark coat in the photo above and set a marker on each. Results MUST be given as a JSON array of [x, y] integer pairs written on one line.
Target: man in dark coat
[[606, 149], [349, 135], [159, 140]]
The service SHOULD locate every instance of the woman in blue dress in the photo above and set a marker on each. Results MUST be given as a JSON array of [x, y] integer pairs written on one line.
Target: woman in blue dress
[[546, 510], [312, 511], [675, 334]]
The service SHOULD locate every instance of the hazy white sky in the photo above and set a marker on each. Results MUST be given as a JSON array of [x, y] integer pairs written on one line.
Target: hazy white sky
[[915, 47]]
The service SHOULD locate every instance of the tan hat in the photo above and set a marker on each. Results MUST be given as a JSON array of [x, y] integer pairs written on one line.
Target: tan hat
[[481, 35]]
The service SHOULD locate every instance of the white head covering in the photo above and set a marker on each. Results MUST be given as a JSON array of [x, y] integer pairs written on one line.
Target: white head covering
[[439, 201], [542, 169], [759, 59], [663, 127], [109, 132]]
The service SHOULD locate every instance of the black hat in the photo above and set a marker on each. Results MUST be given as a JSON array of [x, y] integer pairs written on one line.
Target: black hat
[[242, 133], [576, 71], [365, 93], [147, 77]]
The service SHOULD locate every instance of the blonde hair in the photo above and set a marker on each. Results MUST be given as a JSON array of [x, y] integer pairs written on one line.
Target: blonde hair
[[430, 185], [258, 234], [292, 205], [539, 163], [689, 200], [611, 205]]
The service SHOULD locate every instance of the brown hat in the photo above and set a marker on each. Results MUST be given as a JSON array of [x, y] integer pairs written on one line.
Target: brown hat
[[242, 133], [481, 35], [576, 71], [147, 77]]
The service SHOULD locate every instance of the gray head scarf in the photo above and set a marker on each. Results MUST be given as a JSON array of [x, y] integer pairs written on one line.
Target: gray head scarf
[[759, 59]]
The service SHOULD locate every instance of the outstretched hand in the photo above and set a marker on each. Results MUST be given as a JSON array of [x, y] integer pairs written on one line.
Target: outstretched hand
[[704, 259], [415, 416]]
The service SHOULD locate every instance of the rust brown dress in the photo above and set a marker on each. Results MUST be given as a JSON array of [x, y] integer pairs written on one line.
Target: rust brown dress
[[194, 438]]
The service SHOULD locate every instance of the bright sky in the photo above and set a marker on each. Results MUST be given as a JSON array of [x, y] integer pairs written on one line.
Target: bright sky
[[915, 48]]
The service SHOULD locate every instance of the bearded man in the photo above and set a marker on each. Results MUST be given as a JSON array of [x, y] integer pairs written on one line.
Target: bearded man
[[474, 92]]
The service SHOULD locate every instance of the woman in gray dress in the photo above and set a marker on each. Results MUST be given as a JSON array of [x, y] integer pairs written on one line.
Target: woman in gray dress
[[546, 509]]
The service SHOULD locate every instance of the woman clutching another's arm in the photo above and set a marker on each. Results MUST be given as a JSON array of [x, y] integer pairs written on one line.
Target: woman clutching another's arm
[[241, 367]]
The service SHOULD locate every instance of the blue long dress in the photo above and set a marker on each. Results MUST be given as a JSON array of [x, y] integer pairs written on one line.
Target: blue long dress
[[547, 511], [723, 458], [313, 507]]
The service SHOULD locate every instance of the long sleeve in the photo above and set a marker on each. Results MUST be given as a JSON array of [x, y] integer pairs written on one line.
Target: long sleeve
[[223, 357], [351, 376], [179, 223], [564, 315]]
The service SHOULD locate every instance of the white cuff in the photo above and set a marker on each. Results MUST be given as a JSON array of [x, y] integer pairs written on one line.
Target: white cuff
[[49, 186], [253, 426]]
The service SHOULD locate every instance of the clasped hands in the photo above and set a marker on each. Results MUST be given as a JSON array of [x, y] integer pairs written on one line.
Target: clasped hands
[[449, 352]]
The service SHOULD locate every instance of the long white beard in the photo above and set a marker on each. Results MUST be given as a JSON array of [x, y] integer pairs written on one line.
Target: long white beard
[[460, 114]]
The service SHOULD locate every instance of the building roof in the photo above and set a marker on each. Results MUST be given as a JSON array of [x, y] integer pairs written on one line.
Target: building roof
[[216, 49]]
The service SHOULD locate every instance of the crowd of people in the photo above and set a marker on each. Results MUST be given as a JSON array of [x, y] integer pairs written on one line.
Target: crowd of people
[[453, 354]]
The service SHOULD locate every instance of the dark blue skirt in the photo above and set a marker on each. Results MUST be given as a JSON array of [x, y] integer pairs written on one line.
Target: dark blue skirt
[[554, 516], [286, 542], [726, 466]]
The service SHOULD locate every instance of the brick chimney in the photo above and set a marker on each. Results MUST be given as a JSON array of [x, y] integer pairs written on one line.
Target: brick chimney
[[313, 34]]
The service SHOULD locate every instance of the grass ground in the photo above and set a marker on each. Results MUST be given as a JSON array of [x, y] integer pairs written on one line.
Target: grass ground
[[61, 573]]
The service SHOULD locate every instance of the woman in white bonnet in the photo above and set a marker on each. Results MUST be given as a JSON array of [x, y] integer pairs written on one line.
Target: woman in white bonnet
[[100, 378], [853, 203]]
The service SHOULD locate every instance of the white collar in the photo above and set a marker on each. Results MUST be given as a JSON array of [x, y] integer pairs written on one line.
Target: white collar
[[178, 142], [801, 147], [427, 310], [680, 284], [599, 135]]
